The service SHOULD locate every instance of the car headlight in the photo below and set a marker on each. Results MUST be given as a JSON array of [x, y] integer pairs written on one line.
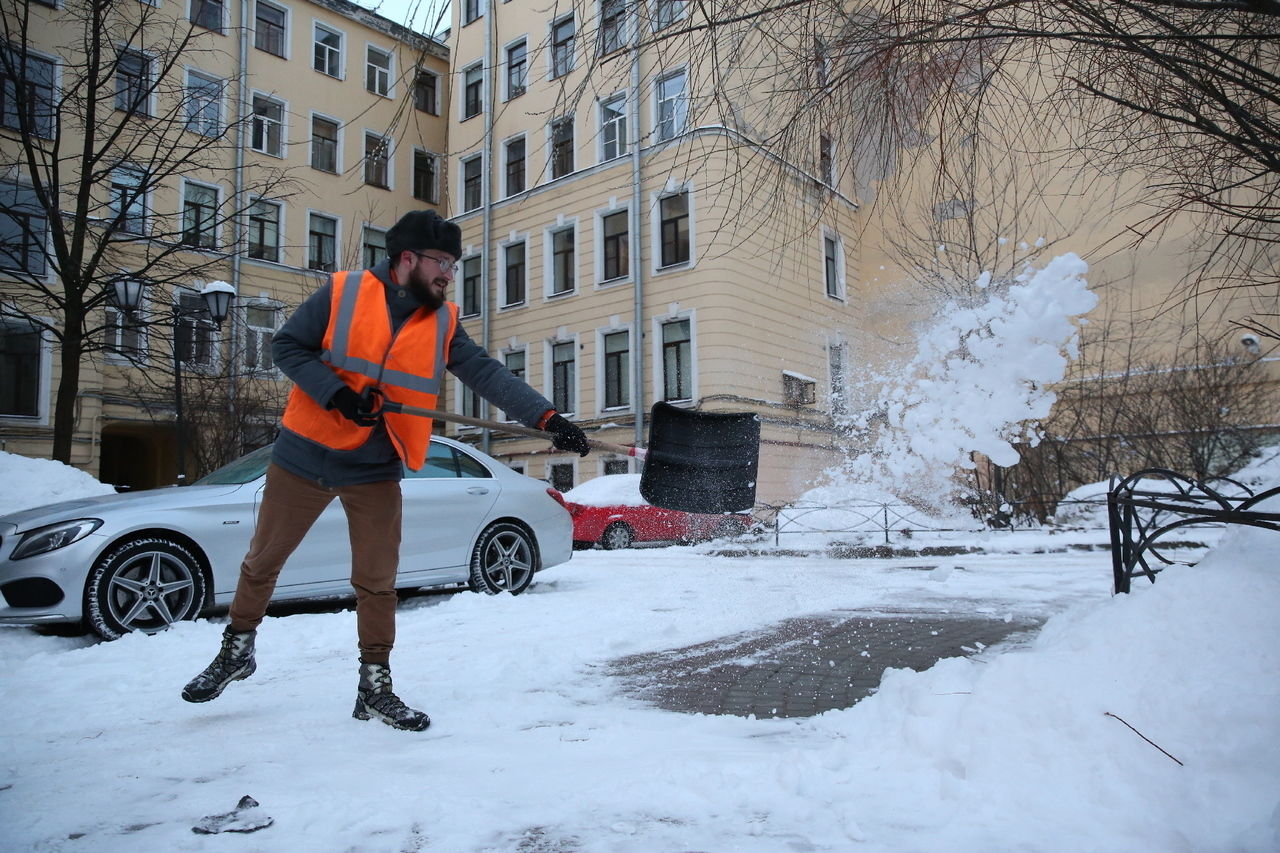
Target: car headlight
[[54, 536]]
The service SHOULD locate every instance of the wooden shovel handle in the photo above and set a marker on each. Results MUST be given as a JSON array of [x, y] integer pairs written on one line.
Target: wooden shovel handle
[[517, 429]]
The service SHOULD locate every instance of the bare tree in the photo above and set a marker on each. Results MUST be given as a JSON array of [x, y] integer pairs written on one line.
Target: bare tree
[[124, 125]]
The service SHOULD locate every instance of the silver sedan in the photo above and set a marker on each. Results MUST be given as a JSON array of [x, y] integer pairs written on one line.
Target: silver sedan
[[141, 561]]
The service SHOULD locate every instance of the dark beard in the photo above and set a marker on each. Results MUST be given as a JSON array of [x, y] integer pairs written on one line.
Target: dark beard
[[419, 286]]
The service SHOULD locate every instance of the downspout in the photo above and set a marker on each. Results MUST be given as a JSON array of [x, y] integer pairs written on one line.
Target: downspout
[[486, 155], [238, 226], [637, 264]]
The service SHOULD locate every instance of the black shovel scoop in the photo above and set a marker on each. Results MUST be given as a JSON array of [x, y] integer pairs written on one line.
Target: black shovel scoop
[[703, 462]]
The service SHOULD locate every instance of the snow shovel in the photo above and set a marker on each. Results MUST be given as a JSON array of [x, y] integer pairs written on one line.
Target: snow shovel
[[702, 462]]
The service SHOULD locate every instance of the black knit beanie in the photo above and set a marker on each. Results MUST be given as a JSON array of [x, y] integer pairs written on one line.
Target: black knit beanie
[[419, 230]]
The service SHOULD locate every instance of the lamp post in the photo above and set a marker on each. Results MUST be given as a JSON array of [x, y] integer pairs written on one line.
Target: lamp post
[[126, 295]]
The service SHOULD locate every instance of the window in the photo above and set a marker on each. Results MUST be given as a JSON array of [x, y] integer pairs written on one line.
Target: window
[[617, 370], [562, 37], [616, 246], [563, 375], [199, 212], [560, 475], [515, 362], [373, 246], [261, 322], [324, 144], [193, 331], [514, 154], [831, 266], [613, 128], [673, 106], [426, 92], [471, 287], [616, 466], [667, 12], [128, 206], [377, 160], [826, 164], [612, 25], [133, 82], [264, 231], [424, 176], [838, 358], [563, 261], [267, 130], [470, 401], [327, 57], [26, 93], [21, 357], [123, 336], [204, 104], [23, 230], [561, 147], [677, 361], [269, 28], [322, 242], [471, 10], [207, 14], [513, 292], [377, 71], [472, 91], [517, 69], [674, 210], [472, 183]]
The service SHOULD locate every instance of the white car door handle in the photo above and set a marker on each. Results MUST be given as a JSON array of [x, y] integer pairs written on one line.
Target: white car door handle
[[477, 490]]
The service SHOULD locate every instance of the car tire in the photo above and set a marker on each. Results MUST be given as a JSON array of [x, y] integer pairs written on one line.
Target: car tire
[[504, 559], [143, 585], [617, 535]]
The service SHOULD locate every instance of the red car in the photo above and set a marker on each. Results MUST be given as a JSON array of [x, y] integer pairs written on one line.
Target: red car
[[610, 511]]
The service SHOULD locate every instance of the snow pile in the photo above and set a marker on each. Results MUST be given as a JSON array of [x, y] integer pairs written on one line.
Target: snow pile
[[978, 383], [32, 482], [608, 490]]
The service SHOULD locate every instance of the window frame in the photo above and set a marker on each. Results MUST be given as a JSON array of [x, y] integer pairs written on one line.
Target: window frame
[[337, 143], [336, 237], [659, 21], [278, 248], [422, 74], [562, 57], [659, 356], [554, 147], [619, 126], [679, 119], [513, 87], [472, 88], [567, 407], [507, 189], [505, 355], [602, 246], [203, 332], [472, 11], [43, 363], [338, 55], [613, 33], [35, 250], [192, 97], [282, 125], [388, 160], [365, 231], [385, 76], [145, 105], [260, 348], [659, 230], [432, 191], [833, 264], [142, 199], [114, 348], [284, 28], [214, 230], [551, 259], [838, 378], [36, 93], [505, 302], [603, 375], [465, 286], [221, 5], [465, 182]]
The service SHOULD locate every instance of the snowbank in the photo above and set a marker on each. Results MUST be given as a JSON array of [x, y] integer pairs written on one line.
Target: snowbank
[[33, 482], [609, 490]]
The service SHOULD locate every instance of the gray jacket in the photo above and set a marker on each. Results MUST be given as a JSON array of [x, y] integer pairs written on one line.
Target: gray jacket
[[296, 351]]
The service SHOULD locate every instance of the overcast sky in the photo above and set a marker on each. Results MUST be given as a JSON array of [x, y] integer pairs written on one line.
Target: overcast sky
[[420, 15]]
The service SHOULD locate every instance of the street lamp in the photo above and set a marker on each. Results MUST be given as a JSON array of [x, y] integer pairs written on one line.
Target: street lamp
[[126, 295]]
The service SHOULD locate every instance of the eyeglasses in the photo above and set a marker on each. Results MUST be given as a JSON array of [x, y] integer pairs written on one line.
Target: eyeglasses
[[446, 265]]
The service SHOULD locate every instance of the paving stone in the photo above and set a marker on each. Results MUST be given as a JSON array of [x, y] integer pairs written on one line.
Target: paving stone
[[804, 666]]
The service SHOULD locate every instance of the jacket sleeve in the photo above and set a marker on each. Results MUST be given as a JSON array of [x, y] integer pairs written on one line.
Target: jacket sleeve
[[490, 378], [296, 347]]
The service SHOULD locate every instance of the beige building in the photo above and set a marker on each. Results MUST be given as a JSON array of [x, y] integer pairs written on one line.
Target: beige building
[[256, 142]]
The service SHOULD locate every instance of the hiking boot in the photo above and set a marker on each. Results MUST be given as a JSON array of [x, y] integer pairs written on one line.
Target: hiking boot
[[375, 699], [234, 662]]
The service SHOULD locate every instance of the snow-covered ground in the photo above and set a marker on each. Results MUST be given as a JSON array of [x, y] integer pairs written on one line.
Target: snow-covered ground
[[535, 747]]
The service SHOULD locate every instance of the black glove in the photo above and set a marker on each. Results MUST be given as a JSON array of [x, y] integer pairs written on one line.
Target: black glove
[[567, 436], [354, 407]]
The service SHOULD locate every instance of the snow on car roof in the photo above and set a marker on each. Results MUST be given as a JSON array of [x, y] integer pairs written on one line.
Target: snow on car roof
[[609, 490]]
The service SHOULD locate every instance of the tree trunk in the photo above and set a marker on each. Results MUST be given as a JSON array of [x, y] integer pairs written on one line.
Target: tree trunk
[[64, 412]]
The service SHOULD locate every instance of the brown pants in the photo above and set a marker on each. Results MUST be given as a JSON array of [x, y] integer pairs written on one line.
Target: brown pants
[[290, 505]]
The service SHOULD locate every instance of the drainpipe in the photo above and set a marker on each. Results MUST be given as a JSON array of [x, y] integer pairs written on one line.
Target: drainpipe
[[238, 222], [491, 48], [637, 264]]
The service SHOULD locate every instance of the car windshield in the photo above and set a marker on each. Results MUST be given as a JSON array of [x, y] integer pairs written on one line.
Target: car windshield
[[251, 466]]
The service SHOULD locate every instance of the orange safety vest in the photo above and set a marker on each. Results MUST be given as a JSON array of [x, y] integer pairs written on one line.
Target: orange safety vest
[[359, 346]]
